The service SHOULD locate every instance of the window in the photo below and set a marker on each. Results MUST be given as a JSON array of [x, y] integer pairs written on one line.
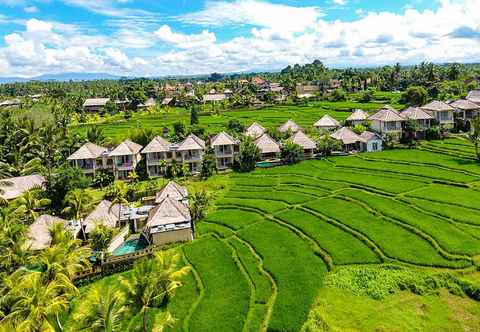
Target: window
[[390, 126], [374, 146]]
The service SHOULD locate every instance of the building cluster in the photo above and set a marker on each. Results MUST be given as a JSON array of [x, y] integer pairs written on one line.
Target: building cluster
[[166, 221]]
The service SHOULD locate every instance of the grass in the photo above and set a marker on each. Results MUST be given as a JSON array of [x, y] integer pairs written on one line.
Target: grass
[[233, 218], [447, 194], [330, 238], [297, 271], [213, 261], [394, 240], [445, 233]]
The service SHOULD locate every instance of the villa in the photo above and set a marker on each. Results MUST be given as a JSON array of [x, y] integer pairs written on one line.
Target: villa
[[168, 222], [214, 97], [387, 121], [442, 112], [190, 152], [309, 146], [225, 148], [172, 190], [125, 158], [289, 126], [95, 104], [371, 142], [268, 147], [358, 117], [90, 158], [150, 102], [465, 109], [350, 140], [421, 117], [15, 187], [474, 96], [255, 130], [158, 149], [39, 236], [104, 214], [11, 103], [327, 123]]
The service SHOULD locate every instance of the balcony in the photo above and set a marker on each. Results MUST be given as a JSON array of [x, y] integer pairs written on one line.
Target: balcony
[[126, 166]]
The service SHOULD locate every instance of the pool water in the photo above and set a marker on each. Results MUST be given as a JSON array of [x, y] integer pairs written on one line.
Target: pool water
[[129, 247]]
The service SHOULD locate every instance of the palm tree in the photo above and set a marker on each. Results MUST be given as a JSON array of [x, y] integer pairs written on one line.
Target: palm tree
[[153, 282], [162, 164], [474, 135], [119, 196], [102, 310], [29, 204], [36, 305], [77, 202]]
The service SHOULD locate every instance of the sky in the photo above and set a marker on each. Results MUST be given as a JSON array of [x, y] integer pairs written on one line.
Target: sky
[[190, 37]]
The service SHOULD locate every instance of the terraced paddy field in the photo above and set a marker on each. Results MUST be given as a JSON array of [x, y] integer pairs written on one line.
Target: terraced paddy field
[[118, 128], [386, 241]]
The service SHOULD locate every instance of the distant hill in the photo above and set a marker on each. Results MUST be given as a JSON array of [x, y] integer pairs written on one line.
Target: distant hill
[[62, 77]]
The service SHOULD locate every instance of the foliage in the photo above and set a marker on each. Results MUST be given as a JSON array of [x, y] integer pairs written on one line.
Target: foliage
[[249, 154], [235, 126], [193, 116], [198, 204], [100, 237], [102, 178], [29, 205], [326, 144], [359, 129], [474, 135], [292, 153], [179, 131], [96, 135], [338, 95], [209, 164], [415, 96], [63, 180]]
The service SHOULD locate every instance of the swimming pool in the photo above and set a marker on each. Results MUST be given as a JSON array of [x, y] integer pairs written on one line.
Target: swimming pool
[[129, 247]]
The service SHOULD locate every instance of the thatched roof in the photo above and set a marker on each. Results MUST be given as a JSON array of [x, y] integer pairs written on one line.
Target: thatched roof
[[474, 96], [192, 142], [104, 215], [465, 105], [223, 139], [368, 136], [266, 144], [10, 102], [168, 211], [214, 97], [327, 122], [415, 113], [88, 151], [99, 102], [347, 136], [172, 190], [290, 125], [386, 114], [437, 106], [358, 115], [150, 102], [255, 130], [39, 232], [166, 101], [15, 187], [126, 148], [158, 144], [304, 141]]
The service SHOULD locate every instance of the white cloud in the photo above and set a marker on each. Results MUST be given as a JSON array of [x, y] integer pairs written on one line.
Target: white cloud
[[107, 7], [31, 9], [340, 2], [450, 33], [205, 38], [255, 12]]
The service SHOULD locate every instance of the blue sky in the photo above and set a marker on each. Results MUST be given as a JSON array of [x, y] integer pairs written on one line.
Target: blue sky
[[165, 37]]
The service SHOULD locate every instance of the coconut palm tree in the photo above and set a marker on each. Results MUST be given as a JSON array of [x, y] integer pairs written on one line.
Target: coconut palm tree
[[162, 165], [77, 202], [153, 282], [36, 306], [474, 135], [102, 310], [118, 196], [29, 204]]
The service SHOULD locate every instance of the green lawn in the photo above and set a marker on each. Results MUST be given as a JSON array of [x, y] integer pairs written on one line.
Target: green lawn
[[275, 238]]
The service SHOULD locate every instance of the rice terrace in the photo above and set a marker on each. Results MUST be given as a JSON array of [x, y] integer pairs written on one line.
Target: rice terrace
[[282, 242]]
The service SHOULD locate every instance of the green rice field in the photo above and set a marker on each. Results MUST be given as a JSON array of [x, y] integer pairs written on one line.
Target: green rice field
[[280, 244], [117, 128]]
